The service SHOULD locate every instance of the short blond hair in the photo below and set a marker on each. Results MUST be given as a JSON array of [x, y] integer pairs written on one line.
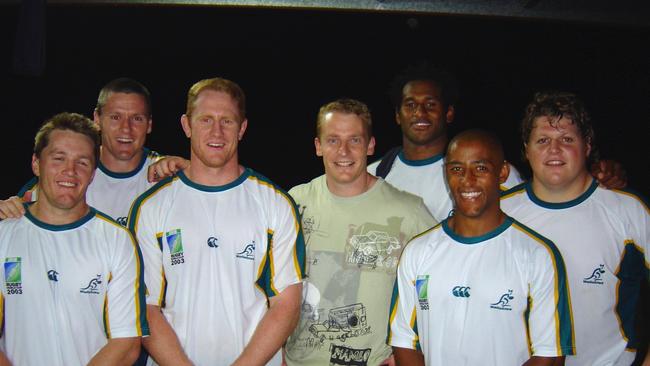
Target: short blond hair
[[217, 84], [348, 106]]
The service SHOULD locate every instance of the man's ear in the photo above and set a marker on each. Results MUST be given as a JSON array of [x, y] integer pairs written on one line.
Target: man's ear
[[242, 129], [319, 152], [185, 123], [504, 173], [35, 165], [371, 146], [451, 114], [96, 118], [149, 125]]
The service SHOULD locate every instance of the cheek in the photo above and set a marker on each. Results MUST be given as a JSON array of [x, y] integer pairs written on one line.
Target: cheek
[[143, 130], [88, 174], [534, 153], [434, 113]]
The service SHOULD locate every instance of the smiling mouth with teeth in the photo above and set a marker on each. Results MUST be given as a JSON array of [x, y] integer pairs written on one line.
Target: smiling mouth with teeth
[[67, 184], [125, 140], [470, 194], [421, 123], [344, 163], [554, 162], [216, 145]]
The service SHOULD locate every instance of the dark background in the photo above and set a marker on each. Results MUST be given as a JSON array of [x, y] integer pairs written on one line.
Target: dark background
[[290, 62]]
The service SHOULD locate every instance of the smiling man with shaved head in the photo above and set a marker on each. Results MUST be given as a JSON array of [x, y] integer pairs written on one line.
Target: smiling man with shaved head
[[465, 289]]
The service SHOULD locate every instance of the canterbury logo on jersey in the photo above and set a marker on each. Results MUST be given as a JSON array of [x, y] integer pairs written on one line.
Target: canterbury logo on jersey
[[461, 291], [122, 220], [504, 302], [53, 275], [596, 276], [212, 242]]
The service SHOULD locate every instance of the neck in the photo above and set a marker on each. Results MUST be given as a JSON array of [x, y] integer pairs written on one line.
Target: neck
[[359, 186], [52, 215], [414, 151], [562, 193], [476, 226], [199, 173], [120, 166]]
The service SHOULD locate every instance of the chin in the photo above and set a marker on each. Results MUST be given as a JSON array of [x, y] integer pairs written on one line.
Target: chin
[[555, 181], [469, 212], [126, 156], [67, 205]]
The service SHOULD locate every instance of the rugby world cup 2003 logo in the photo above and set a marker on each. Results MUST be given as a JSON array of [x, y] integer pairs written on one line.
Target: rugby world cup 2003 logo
[[422, 286], [175, 244], [13, 277]]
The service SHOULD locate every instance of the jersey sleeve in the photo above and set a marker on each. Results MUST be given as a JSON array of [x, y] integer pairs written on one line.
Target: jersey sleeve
[[142, 224], [29, 191], [124, 309], [402, 327], [639, 221], [284, 262], [549, 317]]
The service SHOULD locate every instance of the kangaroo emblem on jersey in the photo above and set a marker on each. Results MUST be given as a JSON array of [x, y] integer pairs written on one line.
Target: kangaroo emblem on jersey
[[596, 276], [248, 252], [92, 285], [504, 302], [53, 275]]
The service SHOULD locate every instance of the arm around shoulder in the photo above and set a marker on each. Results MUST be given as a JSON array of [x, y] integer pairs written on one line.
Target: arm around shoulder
[[166, 167], [11, 208]]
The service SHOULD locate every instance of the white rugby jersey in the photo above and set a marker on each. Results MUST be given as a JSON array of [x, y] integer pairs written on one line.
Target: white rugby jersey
[[426, 178], [214, 255], [496, 299], [109, 192], [603, 236], [66, 289]]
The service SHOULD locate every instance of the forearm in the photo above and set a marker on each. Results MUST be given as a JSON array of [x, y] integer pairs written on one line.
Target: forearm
[[544, 361], [4, 361], [274, 328], [163, 344], [408, 357], [118, 351]]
